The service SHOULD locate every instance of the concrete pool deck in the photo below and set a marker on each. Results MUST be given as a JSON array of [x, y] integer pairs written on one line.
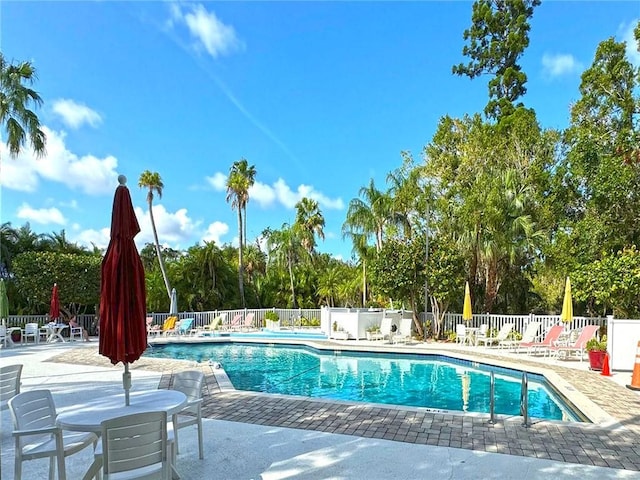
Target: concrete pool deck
[[249, 435]]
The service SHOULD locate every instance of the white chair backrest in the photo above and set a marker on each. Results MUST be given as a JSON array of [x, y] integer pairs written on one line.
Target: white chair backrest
[[189, 382], [406, 325], [504, 331], [385, 325], [531, 331], [134, 442], [461, 330], [31, 328], [9, 383], [33, 410], [483, 329]]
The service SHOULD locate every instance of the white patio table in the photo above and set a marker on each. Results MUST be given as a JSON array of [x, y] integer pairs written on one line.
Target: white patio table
[[88, 416], [54, 332], [472, 336]]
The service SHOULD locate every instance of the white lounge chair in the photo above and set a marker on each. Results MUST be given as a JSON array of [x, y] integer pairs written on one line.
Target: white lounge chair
[[403, 335], [384, 331], [529, 336], [502, 335]]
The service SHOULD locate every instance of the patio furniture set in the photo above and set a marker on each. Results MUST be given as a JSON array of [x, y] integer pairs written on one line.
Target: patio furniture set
[[556, 341], [139, 440]]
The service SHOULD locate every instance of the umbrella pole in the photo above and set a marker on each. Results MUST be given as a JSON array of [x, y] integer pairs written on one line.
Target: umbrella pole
[[126, 383]]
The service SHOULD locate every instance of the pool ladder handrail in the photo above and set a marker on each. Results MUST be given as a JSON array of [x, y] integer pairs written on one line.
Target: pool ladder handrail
[[524, 400], [524, 403]]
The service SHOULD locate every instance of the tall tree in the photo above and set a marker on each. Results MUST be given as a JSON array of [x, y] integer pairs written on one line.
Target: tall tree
[[153, 182], [498, 36], [241, 177], [247, 172], [310, 222], [602, 169], [16, 117], [285, 248], [369, 215]]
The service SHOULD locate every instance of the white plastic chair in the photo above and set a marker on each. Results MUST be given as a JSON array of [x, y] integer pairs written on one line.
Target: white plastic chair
[[75, 333], [4, 336], [37, 436], [191, 383], [461, 333], [31, 330], [9, 384], [135, 446]]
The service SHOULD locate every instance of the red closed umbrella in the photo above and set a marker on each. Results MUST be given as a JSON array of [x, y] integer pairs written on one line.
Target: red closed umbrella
[[123, 334], [54, 306]]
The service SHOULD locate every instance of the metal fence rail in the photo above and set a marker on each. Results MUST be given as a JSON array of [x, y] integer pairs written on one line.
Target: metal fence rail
[[304, 318]]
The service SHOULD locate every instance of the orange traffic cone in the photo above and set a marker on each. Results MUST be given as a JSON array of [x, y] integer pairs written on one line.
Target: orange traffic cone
[[635, 378], [605, 366]]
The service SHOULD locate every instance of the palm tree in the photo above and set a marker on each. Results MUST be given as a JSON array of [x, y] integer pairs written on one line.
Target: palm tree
[[153, 182], [58, 242], [284, 247], [238, 183], [310, 222], [15, 116], [248, 173], [369, 216]]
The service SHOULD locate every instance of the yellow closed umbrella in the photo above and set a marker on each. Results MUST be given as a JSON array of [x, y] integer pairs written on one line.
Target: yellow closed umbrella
[[467, 315], [567, 305]]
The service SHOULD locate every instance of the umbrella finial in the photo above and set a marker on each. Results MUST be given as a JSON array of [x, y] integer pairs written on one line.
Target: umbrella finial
[[122, 180]]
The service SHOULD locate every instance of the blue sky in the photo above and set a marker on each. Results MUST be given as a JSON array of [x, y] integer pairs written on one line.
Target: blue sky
[[319, 96]]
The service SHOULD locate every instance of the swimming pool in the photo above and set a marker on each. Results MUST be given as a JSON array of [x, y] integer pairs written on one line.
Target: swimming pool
[[432, 381]]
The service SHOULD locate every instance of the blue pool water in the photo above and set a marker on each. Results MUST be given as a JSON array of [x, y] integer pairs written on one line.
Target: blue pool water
[[435, 382]]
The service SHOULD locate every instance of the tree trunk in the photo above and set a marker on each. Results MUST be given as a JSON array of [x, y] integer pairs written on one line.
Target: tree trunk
[[416, 320], [240, 266], [293, 291], [364, 283], [158, 252], [491, 285]]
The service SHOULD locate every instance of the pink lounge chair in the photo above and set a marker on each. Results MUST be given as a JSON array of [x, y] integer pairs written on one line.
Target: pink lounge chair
[[234, 324], [549, 341], [247, 325], [579, 346]]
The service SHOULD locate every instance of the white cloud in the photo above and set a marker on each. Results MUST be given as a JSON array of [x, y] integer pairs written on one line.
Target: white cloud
[[174, 229], [218, 181], [209, 32], [99, 238], [215, 231], [88, 174], [262, 193], [43, 216], [279, 192], [74, 115], [632, 44], [560, 64]]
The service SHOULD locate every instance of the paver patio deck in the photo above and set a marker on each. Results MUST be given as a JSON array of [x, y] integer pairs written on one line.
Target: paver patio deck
[[614, 445]]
